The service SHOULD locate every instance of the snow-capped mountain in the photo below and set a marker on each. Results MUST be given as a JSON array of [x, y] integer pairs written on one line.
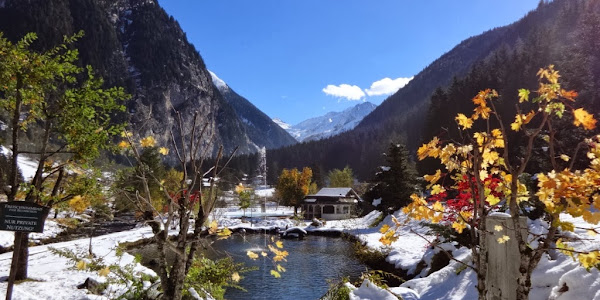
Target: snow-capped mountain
[[330, 124], [282, 124]]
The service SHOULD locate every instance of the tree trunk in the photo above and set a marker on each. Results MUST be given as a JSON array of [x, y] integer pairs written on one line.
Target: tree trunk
[[23, 256]]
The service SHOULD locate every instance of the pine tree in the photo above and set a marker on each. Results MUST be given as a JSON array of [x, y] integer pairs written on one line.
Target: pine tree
[[395, 182]]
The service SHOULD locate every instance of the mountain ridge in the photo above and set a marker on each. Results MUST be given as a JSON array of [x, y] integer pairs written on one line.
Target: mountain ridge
[[330, 124], [401, 118], [137, 45], [259, 127]]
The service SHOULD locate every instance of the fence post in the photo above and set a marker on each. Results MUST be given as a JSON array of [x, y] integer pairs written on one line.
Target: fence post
[[503, 258]]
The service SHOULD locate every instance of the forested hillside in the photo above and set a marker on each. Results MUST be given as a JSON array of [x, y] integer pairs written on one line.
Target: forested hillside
[[561, 32]]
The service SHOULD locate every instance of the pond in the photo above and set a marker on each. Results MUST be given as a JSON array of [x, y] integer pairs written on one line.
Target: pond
[[311, 264]]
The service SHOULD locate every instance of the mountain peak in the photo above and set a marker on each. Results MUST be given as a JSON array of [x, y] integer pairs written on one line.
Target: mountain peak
[[281, 123], [218, 82], [330, 124]]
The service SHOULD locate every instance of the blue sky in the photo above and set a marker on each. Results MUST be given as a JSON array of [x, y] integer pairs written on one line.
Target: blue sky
[[300, 59]]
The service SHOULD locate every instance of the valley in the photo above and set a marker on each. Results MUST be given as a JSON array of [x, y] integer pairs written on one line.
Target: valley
[[425, 160]]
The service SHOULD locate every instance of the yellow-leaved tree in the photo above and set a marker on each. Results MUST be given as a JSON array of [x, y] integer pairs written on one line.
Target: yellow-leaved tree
[[485, 174]]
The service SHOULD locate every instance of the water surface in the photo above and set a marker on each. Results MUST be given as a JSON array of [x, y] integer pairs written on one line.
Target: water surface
[[310, 264]]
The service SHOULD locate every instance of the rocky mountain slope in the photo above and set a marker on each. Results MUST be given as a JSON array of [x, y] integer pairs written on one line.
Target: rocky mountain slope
[[258, 126], [134, 43]]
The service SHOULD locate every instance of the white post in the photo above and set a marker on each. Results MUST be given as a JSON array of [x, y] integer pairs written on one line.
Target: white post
[[503, 258]]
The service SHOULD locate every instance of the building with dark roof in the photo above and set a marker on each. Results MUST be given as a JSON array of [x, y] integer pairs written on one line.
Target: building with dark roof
[[331, 204]]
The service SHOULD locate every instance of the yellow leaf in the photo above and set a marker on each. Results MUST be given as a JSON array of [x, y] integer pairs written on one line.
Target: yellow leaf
[[78, 204], [466, 215], [565, 157], [126, 134], [459, 226], [148, 141], [523, 95], [163, 150], [582, 117], [104, 272], [280, 268], [384, 228], [275, 274], [480, 137], [235, 277], [464, 121], [492, 200], [81, 265], [422, 152], [567, 226], [252, 255], [483, 174], [223, 234], [437, 189], [437, 206], [498, 227], [263, 253], [480, 98], [433, 178], [213, 227], [481, 111], [279, 244], [516, 125], [503, 239], [123, 145]]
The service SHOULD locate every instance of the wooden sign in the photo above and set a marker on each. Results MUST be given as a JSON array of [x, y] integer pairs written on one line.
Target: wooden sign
[[22, 216]]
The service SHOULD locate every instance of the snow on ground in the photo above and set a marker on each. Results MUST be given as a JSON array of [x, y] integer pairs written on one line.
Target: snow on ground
[[51, 276], [27, 165], [262, 192], [547, 279], [406, 252], [51, 229], [368, 291], [53, 280]]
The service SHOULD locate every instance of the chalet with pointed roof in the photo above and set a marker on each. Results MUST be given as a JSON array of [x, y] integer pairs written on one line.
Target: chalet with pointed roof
[[331, 204]]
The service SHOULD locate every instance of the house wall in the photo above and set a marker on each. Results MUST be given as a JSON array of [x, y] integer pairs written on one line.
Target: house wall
[[320, 211], [335, 216]]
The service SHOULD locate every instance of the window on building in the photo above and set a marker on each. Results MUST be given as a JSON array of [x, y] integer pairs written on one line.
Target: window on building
[[346, 210], [328, 209]]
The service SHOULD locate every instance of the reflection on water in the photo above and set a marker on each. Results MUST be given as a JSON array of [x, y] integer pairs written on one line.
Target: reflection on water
[[310, 264]]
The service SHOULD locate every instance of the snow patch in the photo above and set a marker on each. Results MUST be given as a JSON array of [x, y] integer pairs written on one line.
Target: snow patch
[[27, 165], [218, 82], [370, 291], [282, 124]]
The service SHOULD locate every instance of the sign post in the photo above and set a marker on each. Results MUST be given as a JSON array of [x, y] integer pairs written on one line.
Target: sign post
[[21, 217]]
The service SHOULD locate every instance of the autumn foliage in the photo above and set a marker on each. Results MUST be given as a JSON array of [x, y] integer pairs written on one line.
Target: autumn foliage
[[480, 176]]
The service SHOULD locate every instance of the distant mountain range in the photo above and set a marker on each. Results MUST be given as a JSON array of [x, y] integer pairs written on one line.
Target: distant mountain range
[[330, 124]]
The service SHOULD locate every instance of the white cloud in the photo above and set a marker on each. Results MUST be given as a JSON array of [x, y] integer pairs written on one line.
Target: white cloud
[[387, 86], [350, 92]]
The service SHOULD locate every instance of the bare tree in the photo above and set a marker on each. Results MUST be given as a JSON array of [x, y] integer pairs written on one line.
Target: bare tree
[[191, 151]]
